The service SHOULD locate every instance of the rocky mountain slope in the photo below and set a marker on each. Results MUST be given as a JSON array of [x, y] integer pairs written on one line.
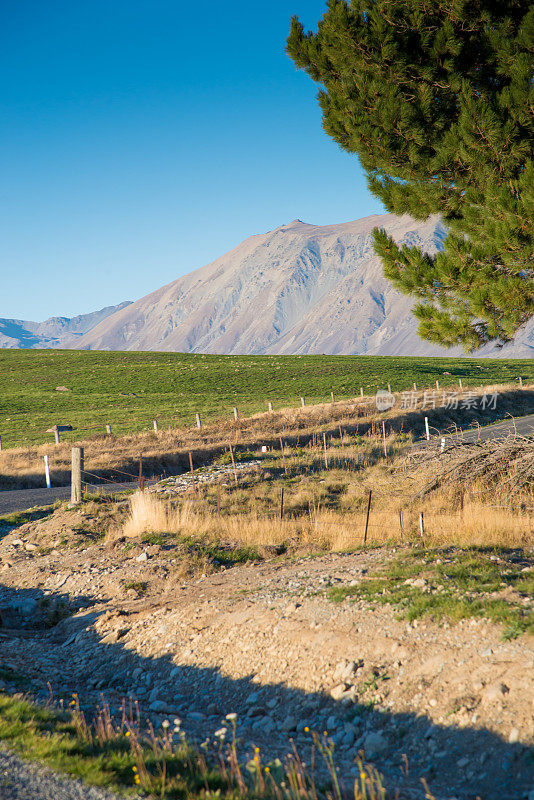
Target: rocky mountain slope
[[298, 289], [53, 332]]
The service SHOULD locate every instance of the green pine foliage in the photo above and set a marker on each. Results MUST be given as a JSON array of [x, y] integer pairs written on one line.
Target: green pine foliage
[[437, 100]]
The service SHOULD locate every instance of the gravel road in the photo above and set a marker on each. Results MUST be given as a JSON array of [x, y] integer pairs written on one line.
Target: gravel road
[[23, 780]]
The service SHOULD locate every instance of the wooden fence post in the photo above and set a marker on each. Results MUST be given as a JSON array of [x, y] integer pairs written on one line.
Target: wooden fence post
[[325, 456], [108, 429], [520, 382], [303, 401], [283, 455], [236, 414], [332, 396], [76, 475], [56, 435], [192, 470], [155, 423], [233, 463], [437, 384], [218, 498], [269, 406], [47, 473], [367, 517], [401, 521], [282, 504], [141, 476], [341, 438], [421, 525], [460, 383], [384, 438], [361, 391], [389, 388], [199, 423], [415, 387]]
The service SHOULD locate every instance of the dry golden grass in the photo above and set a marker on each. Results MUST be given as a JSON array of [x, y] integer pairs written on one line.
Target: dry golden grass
[[334, 530], [167, 451]]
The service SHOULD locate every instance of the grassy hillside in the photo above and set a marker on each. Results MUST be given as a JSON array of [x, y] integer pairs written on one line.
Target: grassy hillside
[[128, 390]]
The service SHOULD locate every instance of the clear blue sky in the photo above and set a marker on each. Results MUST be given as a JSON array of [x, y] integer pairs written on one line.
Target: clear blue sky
[[141, 139]]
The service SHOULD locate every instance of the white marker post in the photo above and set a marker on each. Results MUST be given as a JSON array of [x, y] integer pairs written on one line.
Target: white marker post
[[427, 430], [47, 473]]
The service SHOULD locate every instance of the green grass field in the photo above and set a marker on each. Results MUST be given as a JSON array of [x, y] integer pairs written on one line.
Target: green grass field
[[128, 390]]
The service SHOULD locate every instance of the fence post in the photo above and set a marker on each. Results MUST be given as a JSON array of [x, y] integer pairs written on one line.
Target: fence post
[[141, 476], [520, 382], [199, 423], [108, 429], [192, 470], [361, 391], [367, 518], [384, 438], [421, 525], [460, 383], [269, 406], [401, 521], [76, 475], [282, 504], [332, 396], [324, 446], [427, 430], [437, 384], [218, 498], [233, 463], [47, 473], [56, 435], [155, 422], [415, 387], [389, 388], [236, 414], [302, 402], [283, 455], [442, 444]]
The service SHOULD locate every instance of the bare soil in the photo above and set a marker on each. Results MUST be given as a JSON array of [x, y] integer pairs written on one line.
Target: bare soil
[[452, 704]]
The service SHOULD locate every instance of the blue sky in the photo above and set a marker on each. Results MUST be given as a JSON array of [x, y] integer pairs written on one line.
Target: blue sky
[[140, 140]]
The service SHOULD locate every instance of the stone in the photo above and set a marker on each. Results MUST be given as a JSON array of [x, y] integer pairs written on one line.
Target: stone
[[338, 691], [289, 724], [158, 707], [514, 736], [142, 557], [374, 744]]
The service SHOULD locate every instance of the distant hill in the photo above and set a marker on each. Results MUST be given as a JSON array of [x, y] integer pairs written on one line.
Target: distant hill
[[53, 332], [299, 289]]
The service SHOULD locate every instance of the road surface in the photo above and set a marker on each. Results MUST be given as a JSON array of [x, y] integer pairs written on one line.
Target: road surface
[[22, 499]]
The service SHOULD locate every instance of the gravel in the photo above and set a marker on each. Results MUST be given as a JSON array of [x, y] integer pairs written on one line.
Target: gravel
[[22, 780]]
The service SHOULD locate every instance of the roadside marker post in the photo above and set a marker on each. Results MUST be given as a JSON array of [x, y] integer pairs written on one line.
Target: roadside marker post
[[155, 423], [199, 423], [427, 430], [303, 402], [47, 473]]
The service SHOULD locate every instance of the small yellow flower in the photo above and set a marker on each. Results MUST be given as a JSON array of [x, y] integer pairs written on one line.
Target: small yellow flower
[[127, 733], [325, 733], [306, 729], [267, 769], [362, 776], [137, 779], [256, 750], [134, 769]]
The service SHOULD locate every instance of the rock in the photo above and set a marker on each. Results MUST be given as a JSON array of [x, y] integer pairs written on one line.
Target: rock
[[62, 389], [374, 745], [338, 691], [332, 723], [495, 692], [142, 557], [30, 546], [196, 716], [252, 698], [514, 736], [289, 724], [158, 707]]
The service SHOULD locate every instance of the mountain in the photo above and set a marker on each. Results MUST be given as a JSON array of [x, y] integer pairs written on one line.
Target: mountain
[[298, 289], [53, 332]]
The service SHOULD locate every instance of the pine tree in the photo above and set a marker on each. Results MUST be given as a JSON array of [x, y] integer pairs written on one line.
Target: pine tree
[[436, 97]]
